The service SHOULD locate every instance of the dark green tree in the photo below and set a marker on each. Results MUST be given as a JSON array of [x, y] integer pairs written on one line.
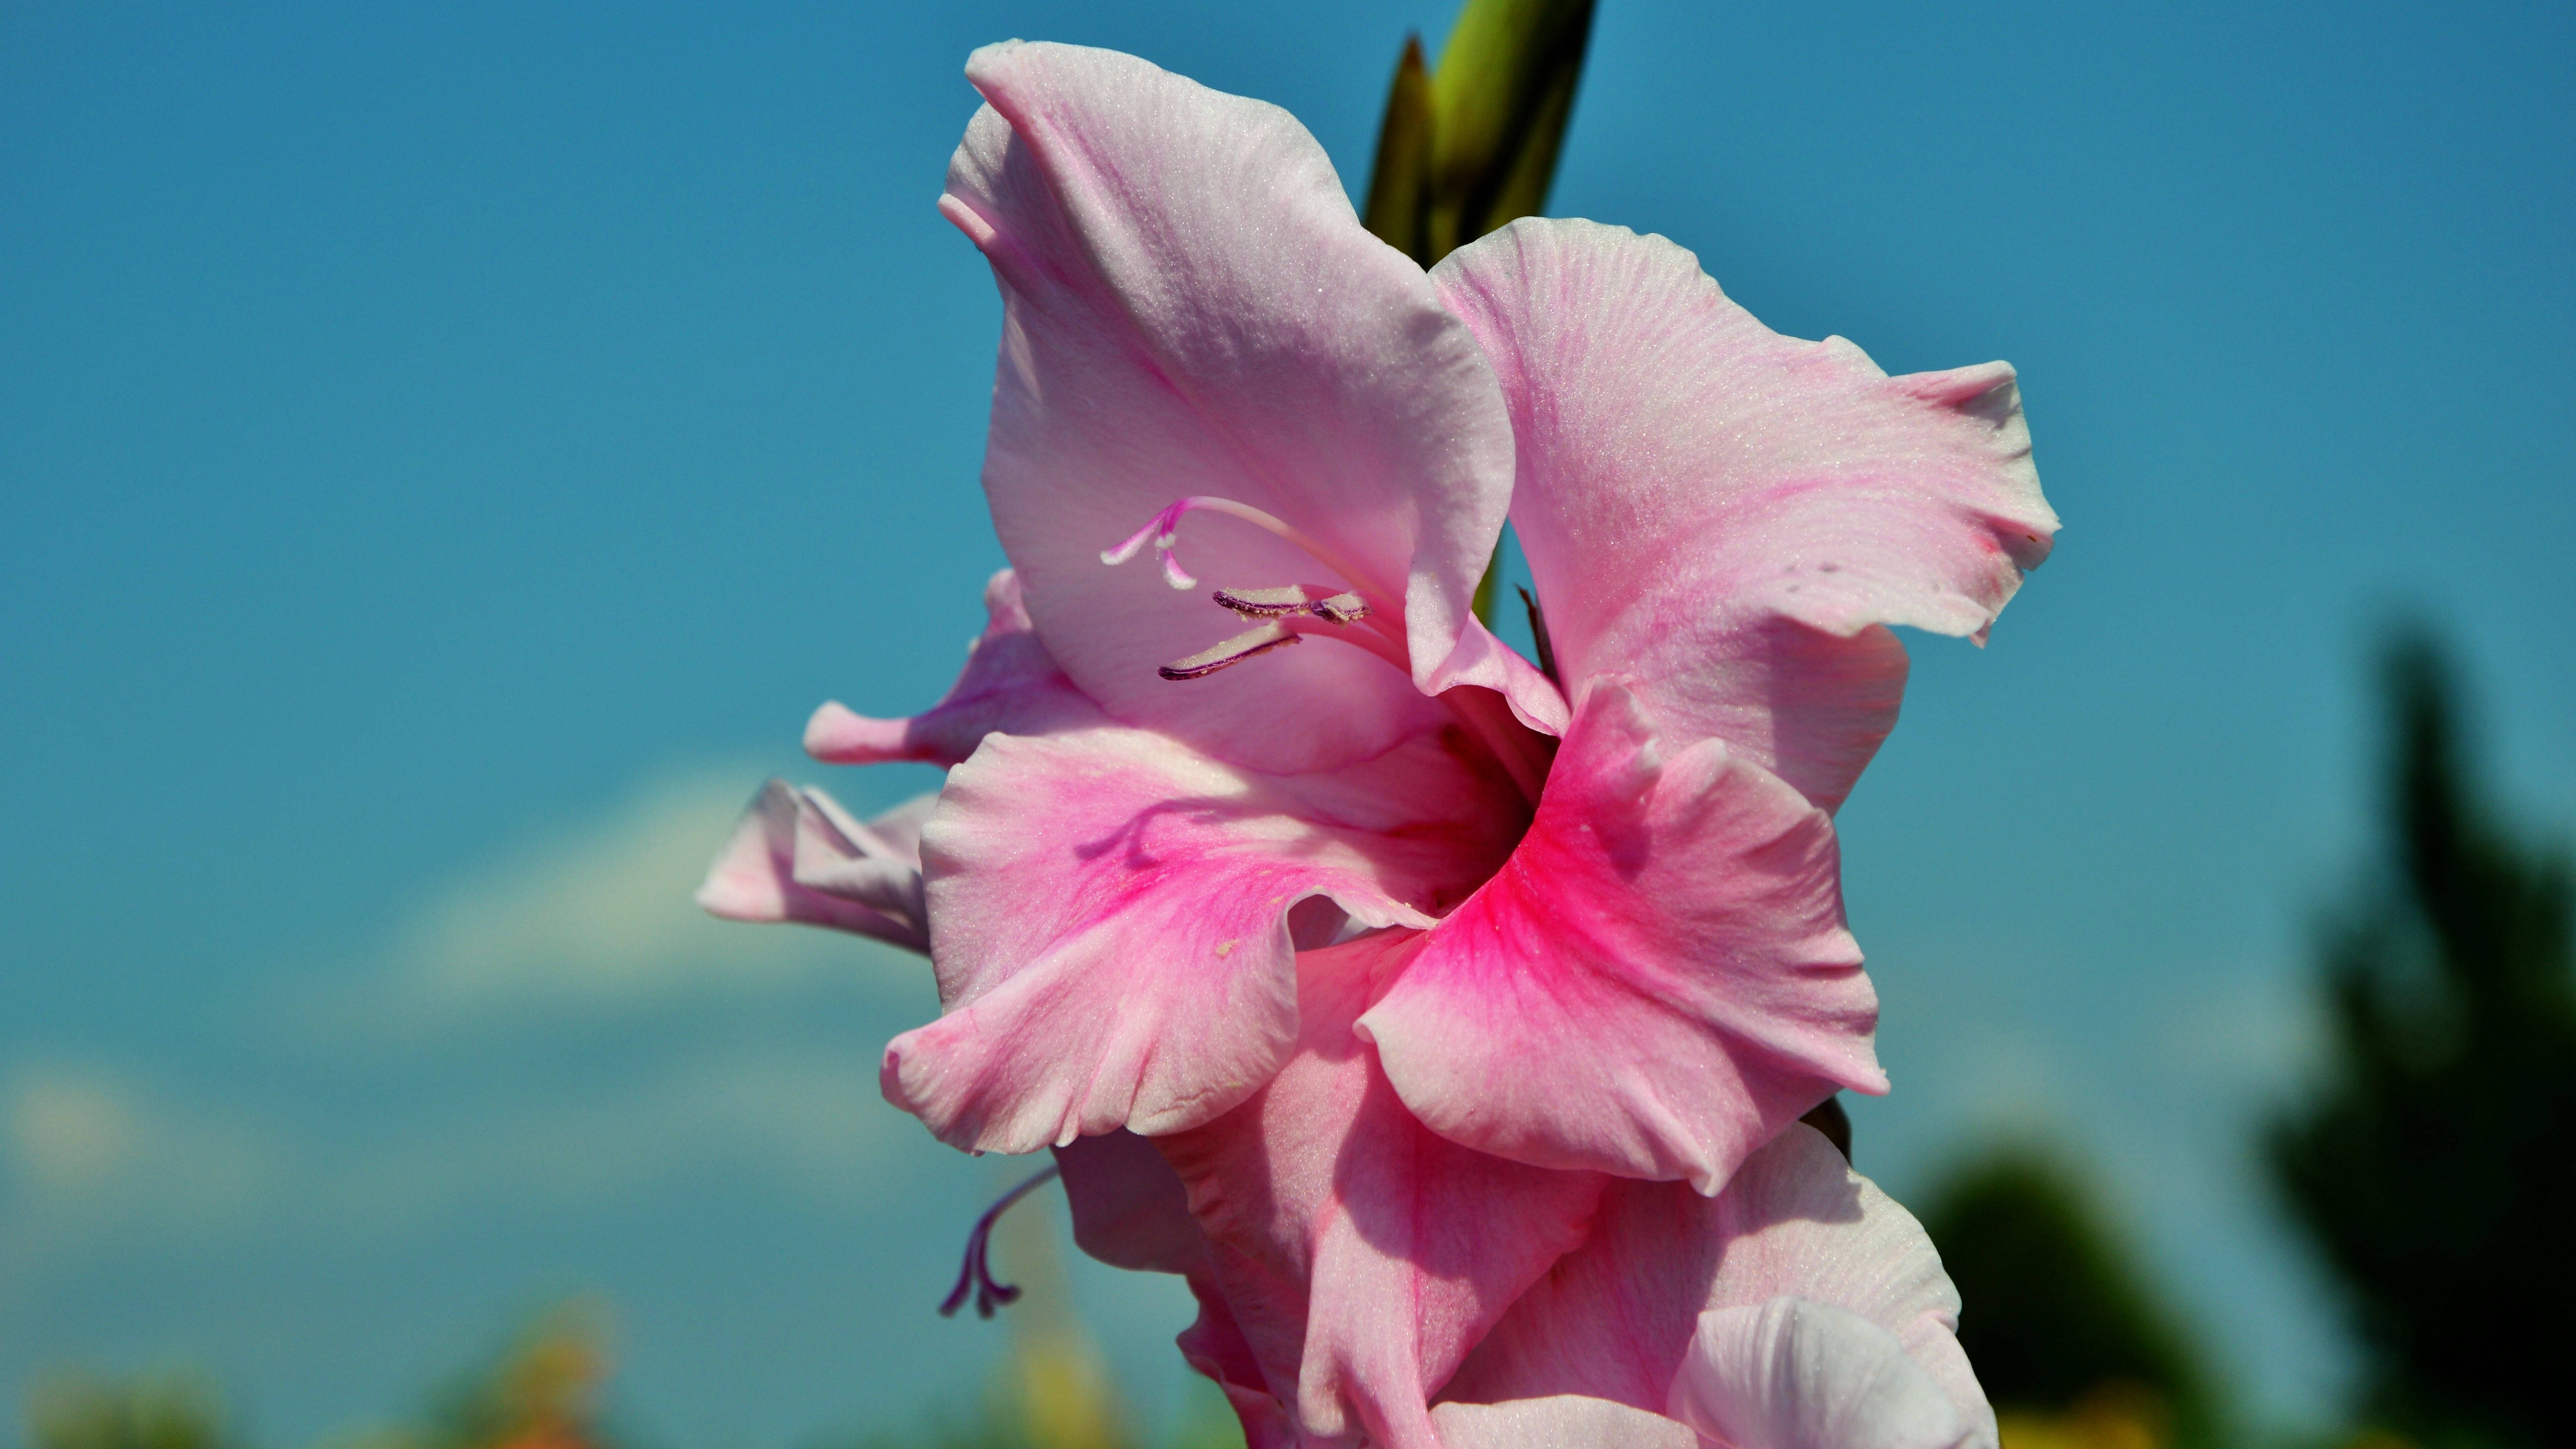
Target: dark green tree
[[2056, 1308], [2434, 1167]]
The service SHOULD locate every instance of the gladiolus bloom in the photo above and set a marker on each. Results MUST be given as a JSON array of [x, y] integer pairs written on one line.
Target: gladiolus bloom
[[1429, 971], [1622, 886]]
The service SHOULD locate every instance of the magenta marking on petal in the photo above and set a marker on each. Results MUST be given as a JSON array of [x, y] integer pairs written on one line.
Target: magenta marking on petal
[[1260, 640], [977, 1271]]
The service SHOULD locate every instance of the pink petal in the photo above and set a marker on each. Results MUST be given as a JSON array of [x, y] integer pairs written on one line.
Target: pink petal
[[1731, 515], [1191, 308], [1129, 1208], [1482, 659], [1215, 1346], [1113, 938], [1360, 1253], [798, 856], [1658, 980], [876, 864], [1621, 1317], [1804, 1223], [1613, 1318], [1794, 1374], [1566, 1421], [1008, 684]]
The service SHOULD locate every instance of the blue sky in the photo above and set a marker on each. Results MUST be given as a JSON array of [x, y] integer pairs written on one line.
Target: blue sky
[[443, 456]]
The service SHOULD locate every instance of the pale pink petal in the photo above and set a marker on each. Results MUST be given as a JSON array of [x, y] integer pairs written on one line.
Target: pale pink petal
[[798, 856], [1129, 1208], [1656, 982], [1008, 684], [1481, 659], [1113, 941], [1690, 481], [1192, 309], [1613, 1318], [1803, 1223], [1360, 1253], [1617, 1318], [876, 864], [1795, 1374], [1566, 1421], [1215, 1346], [895, 832]]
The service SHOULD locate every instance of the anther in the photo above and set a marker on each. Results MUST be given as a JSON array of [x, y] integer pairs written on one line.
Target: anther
[[977, 1272], [1258, 640], [1322, 601]]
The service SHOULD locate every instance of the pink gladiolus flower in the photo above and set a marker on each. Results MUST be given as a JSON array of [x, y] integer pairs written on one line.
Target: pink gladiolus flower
[[1421, 966], [1621, 939]]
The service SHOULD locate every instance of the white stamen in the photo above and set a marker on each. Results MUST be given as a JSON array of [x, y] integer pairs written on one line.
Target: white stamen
[[1321, 601], [1343, 608], [1263, 603], [1258, 640]]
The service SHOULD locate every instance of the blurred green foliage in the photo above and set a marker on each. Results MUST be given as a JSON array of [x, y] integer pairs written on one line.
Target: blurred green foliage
[[542, 1392], [546, 1388], [153, 1411], [2069, 1340], [1003, 1422], [2434, 1166]]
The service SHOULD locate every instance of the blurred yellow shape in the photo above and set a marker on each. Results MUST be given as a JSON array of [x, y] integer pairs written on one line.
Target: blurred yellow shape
[[1065, 1399], [1055, 1383], [2114, 1415]]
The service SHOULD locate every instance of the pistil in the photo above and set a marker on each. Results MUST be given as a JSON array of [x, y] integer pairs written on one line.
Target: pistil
[[1164, 532], [977, 1272]]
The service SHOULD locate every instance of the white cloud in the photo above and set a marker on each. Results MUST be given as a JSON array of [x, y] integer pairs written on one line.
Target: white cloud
[[804, 1120], [69, 1134], [2252, 1032], [471, 1108], [600, 919], [2002, 1077], [96, 1162], [91, 1154]]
